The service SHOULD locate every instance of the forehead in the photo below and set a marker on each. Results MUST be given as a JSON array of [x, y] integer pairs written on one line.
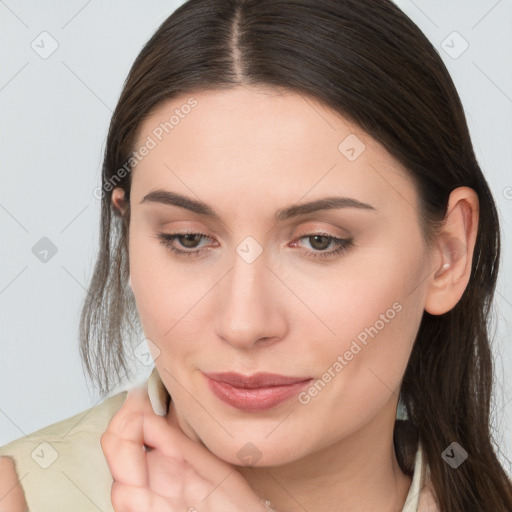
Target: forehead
[[262, 141]]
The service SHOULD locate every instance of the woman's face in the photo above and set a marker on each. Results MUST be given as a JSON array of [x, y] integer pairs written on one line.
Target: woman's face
[[259, 292]]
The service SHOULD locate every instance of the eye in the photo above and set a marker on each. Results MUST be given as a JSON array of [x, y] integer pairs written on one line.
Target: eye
[[167, 240], [189, 241], [324, 240]]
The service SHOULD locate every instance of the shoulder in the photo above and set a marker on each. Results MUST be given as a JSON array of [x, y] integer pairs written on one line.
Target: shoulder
[[62, 466]]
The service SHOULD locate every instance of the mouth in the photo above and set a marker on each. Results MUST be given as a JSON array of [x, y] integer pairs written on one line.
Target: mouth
[[257, 392]]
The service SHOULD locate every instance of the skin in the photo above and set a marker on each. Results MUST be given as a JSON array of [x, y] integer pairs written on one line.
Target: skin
[[247, 152], [11, 492], [176, 474]]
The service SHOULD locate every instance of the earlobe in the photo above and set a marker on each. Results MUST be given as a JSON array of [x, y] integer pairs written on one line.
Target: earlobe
[[453, 253]]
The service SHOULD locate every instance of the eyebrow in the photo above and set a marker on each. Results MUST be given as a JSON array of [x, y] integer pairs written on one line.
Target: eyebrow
[[326, 203]]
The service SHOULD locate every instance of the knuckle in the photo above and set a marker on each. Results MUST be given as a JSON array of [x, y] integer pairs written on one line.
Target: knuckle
[[106, 441], [116, 496]]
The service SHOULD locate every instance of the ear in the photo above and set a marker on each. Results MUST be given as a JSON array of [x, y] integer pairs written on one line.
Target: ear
[[118, 200], [453, 252]]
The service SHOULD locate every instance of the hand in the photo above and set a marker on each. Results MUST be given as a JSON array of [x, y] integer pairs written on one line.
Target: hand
[[12, 498], [176, 474]]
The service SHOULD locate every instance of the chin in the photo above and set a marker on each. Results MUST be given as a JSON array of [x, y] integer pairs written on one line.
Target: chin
[[257, 452]]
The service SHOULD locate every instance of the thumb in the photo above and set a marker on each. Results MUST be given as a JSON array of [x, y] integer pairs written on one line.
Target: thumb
[[12, 498]]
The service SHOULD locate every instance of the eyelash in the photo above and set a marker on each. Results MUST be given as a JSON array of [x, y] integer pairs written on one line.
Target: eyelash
[[167, 239]]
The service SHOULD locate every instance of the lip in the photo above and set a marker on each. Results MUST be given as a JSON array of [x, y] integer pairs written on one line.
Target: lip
[[257, 392]]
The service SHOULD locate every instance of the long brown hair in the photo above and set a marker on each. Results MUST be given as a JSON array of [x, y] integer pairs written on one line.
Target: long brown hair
[[368, 61]]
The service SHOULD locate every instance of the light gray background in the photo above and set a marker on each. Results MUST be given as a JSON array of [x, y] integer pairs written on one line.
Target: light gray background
[[55, 113]]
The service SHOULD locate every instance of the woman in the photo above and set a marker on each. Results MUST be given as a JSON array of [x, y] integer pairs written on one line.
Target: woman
[[292, 207]]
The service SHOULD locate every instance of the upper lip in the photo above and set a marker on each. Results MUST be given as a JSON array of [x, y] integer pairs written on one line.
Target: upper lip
[[256, 380]]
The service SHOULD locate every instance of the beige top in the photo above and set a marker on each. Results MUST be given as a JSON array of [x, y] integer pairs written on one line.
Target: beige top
[[62, 468]]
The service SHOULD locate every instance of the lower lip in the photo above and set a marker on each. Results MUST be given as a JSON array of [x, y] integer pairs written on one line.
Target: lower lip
[[257, 399]]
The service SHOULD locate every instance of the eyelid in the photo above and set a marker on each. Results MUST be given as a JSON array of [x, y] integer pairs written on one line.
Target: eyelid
[[304, 232], [320, 231], [342, 243]]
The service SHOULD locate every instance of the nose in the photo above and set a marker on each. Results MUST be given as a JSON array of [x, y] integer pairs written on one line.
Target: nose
[[249, 312]]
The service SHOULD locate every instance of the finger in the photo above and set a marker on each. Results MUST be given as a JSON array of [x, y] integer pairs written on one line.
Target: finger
[[126, 460], [173, 443], [12, 498], [172, 479], [126, 498], [123, 441], [136, 404]]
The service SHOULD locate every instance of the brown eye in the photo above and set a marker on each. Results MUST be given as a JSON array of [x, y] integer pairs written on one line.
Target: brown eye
[[186, 241], [190, 239], [321, 241]]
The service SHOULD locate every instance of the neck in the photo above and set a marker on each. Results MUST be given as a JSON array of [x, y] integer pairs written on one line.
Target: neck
[[359, 473]]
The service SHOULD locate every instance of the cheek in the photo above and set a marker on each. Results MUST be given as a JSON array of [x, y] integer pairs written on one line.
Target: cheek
[[356, 298], [372, 306], [157, 295], [368, 289], [170, 298], [376, 315]]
